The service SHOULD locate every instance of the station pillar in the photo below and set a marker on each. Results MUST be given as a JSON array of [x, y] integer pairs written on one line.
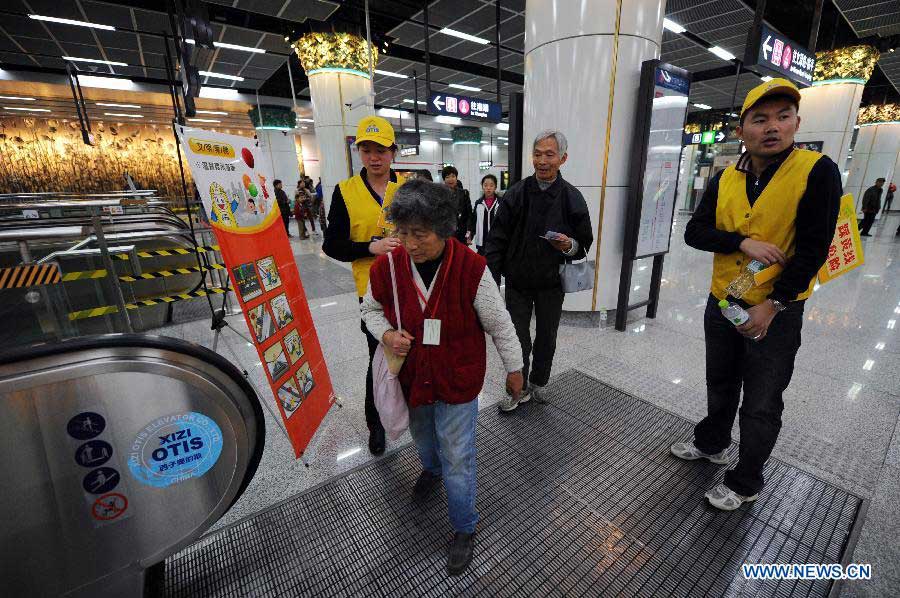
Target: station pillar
[[876, 153]]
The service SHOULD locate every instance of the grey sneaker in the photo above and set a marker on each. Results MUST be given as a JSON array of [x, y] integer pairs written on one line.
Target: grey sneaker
[[689, 452], [724, 498], [537, 393], [509, 404]]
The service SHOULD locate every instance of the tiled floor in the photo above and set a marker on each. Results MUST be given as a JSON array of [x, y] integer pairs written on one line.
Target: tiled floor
[[840, 420]]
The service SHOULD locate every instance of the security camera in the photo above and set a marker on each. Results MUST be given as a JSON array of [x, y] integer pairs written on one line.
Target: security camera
[[362, 101]]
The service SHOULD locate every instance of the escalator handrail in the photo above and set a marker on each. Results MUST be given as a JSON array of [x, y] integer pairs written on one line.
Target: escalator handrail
[[153, 341]]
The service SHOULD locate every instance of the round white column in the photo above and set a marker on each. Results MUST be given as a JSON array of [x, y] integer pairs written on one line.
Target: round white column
[[874, 156], [828, 113], [279, 147], [335, 121], [569, 48], [465, 158]]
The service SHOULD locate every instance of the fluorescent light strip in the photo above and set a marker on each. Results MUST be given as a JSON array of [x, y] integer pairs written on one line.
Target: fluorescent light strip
[[94, 60], [503, 138], [390, 74], [220, 76], [71, 22], [204, 120], [16, 98], [466, 87], [673, 26], [306, 120], [26, 109], [702, 106], [233, 47], [105, 82], [503, 126], [448, 120], [721, 53], [123, 115], [391, 113], [211, 112], [465, 36], [766, 78], [446, 138], [409, 101], [218, 93], [118, 105]]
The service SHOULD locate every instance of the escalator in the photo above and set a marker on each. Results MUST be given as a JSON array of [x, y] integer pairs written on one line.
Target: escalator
[[120, 450]]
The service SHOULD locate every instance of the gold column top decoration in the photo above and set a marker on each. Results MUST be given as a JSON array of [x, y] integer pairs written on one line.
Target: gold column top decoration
[[852, 64], [334, 52], [878, 113]]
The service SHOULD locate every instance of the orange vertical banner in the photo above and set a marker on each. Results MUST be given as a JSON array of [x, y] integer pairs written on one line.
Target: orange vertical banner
[[235, 184]]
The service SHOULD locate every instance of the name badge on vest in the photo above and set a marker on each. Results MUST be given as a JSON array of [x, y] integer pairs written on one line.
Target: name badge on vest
[[432, 332]]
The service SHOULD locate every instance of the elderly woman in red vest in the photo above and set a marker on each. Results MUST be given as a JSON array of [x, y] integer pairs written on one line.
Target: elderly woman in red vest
[[448, 300]]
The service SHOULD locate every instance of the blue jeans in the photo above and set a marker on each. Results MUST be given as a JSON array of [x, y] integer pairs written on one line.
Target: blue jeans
[[445, 437]]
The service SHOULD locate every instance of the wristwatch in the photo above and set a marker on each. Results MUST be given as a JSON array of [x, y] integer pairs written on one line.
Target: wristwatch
[[779, 306]]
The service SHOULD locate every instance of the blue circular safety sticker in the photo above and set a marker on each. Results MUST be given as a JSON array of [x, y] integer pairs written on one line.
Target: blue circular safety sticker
[[175, 448]]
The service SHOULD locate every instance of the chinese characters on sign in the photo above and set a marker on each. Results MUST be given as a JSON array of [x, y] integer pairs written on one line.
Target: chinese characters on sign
[[782, 55], [845, 252], [449, 105]]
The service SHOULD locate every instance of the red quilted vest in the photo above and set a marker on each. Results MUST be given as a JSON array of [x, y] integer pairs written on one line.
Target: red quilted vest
[[452, 372]]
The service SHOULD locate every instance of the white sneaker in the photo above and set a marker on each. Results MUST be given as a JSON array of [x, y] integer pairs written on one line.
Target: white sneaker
[[724, 498], [509, 404], [689, 452]]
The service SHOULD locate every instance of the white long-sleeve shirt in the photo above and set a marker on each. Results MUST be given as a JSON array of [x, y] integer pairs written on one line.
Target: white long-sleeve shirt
[[488, 305]]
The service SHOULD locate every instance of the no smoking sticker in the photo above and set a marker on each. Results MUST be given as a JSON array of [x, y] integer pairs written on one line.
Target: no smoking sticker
[[109, 506]]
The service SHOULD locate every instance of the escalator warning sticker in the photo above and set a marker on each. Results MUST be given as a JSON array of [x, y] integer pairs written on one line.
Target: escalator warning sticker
[[109, 506], [175, 448]]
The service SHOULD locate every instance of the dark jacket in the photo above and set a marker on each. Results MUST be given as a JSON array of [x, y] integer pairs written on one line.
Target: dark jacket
[[871, 202], [515, 247], [489, 216], [284, 203], [463, 212]]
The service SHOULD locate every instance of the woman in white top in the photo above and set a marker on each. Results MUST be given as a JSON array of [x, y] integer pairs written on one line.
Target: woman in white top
[[483, 215]]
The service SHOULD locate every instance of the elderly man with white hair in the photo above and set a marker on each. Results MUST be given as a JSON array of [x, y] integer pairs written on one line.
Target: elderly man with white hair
[[542, 222]]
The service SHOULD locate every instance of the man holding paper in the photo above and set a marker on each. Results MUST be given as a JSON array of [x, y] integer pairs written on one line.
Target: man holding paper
[[778, 205]]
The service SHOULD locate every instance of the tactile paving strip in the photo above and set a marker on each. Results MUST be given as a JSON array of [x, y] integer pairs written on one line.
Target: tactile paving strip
[[577, 497]]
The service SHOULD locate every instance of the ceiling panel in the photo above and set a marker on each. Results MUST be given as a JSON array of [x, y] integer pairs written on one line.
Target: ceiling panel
[[871, 17]]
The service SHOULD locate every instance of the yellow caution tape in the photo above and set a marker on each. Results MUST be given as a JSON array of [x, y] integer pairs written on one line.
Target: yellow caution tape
[[85, 275], [169, 251], [167, 273], [111, 309]]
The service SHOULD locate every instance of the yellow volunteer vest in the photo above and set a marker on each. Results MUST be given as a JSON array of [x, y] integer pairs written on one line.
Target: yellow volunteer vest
[[366, 221], [771, 219]]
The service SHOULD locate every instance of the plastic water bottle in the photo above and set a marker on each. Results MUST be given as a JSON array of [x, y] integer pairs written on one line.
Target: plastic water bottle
[[733, 312]]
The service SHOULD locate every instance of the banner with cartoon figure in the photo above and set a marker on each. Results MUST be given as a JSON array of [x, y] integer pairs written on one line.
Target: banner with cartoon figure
[[235, 185]]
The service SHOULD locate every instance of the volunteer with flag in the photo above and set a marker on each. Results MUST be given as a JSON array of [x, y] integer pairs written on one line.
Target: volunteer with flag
[[358, 231], [777, 205]]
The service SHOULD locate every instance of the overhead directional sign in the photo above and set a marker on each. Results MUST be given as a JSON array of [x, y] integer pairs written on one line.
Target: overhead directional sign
[[774, 51], [442, 104], [704, 138]]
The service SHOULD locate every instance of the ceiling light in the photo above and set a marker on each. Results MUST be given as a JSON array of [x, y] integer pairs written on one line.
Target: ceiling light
[[503, 138], [105, 82], [218, 93], [503, 126], [448, 120], [211, 112], [721, 53], [71, 22], [109, 62], [505, 144], [390, 74], [672, 26], [16, 98], [123, 114], [766, 78], [118, 105], [465, 36], [483, 142], [391, 113], [733, 115], [26, 109], [466, 87], [702, 106], [409, 101], [306, 120], [204, 120], [233, 47], [220, 76], [446, 138], [408, 130]]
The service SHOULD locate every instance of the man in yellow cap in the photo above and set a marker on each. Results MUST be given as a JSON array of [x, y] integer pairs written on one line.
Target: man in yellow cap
[[776, 207], [358, 231]]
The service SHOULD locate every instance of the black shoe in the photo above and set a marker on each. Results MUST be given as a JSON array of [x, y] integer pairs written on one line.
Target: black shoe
[[376, 442], [459, 556], [425, 486]]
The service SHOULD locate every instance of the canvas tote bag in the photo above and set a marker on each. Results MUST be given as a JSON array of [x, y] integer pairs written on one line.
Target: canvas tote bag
[[389, 399]]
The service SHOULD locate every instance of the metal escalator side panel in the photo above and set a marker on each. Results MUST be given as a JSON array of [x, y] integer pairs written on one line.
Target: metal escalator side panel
[[90, 424]]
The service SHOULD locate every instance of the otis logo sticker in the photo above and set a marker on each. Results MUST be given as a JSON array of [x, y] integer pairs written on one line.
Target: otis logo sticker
[[175, 448]]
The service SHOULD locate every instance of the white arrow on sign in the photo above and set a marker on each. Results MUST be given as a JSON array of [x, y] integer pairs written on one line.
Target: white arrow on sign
[[766, 47], [720, 136], [437, 102]]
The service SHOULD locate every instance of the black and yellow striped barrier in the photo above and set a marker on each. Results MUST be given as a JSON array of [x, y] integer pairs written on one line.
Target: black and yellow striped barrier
[[169, 251], [111, 309], [167, 273], [19, 277], [85, 275]]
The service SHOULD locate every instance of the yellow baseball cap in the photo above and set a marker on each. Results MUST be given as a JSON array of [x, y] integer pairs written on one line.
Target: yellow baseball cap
[[377, 129], [773, 87]]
